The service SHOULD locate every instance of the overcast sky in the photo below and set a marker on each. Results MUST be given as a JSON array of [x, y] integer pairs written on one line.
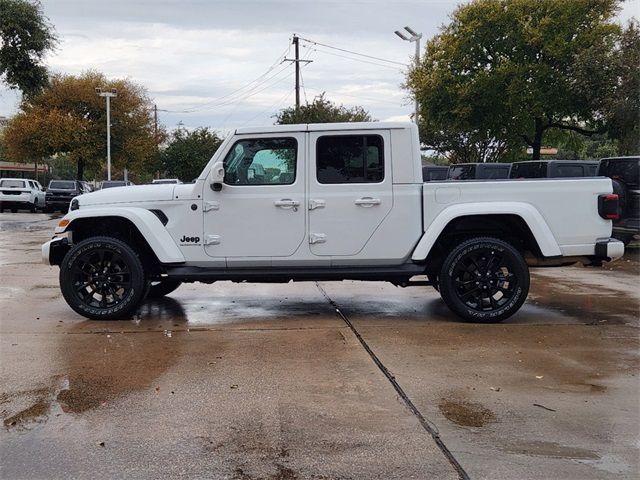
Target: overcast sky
[[194, 55]]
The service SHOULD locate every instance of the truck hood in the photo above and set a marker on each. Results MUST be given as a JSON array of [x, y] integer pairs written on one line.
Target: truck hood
[[130, 194]]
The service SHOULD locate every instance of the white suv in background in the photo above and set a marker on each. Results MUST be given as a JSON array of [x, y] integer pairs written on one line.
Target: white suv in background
[[18, 193]]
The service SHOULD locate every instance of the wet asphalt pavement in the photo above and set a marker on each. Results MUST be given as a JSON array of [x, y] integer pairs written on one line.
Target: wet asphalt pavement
[[336, 380]]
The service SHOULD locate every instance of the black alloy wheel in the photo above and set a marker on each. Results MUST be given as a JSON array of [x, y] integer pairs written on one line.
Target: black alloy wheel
[[484, 280], [102, 278]]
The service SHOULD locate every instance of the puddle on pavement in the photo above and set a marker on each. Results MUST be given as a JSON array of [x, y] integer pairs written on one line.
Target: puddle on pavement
[[465, 413], [578, 298], [24, 409]]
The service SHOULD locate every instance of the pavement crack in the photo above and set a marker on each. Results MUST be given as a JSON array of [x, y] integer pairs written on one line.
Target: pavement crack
[[426, 424]]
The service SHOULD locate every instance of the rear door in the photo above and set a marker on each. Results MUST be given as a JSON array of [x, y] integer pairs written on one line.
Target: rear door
[[350, 189]]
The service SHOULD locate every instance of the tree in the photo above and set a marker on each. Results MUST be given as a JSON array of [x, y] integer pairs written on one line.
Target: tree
[[25, 37], [69, 118], [622, 108], [321, 110], [509, 71], [188, 152]]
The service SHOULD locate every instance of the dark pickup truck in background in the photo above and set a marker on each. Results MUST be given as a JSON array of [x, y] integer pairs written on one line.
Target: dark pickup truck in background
[[625, 176], [59, 194], [553, 169]]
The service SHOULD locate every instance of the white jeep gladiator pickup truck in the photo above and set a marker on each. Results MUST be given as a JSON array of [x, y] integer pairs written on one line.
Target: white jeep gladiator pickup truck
[[329, 202]]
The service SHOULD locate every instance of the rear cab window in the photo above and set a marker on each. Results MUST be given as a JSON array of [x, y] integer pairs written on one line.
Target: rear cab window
[[462, 172], [350, 159], [62, 185]]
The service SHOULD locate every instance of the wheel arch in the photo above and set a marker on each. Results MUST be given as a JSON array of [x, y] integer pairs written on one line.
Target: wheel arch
[[136, 225], [520, 224]]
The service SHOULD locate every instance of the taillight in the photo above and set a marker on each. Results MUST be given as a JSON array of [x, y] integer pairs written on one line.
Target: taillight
[[608, 206]]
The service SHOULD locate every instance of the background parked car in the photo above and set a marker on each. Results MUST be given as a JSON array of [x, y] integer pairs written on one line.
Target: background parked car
[[16, 193], [115, 183], [625, 175], [434, 172], [553, 169], [477, 171], [60, 193]]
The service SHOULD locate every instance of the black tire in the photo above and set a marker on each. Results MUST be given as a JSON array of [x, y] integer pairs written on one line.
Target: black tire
[[102, 278], [158, 289], [32, 207], [484, 280], [14, 210]]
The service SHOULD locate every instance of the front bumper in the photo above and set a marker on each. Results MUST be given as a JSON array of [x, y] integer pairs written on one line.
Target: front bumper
[[609, 249], [54, 250]]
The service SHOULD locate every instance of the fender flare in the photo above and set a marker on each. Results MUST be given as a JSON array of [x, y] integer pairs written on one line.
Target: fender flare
[[149, 226], [529, 214]]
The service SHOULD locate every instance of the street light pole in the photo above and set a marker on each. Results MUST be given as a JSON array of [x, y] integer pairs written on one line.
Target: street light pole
[[413, 37], [108, 95]]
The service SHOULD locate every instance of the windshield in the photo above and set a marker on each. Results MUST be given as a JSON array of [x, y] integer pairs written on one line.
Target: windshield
[[62, 185], [12, 183]]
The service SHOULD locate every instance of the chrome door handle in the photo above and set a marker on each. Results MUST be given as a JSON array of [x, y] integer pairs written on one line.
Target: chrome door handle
[[286, 203], [368, 201]]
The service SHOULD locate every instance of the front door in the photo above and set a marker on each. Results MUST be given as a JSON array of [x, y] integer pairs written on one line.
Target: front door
[[350, 189], [259, 212]]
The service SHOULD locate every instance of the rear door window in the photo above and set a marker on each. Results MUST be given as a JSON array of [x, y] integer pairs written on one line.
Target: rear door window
[[350, 159]]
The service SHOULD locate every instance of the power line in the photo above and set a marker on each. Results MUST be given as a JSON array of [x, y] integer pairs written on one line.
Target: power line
[[351, 58], [352, 52], [221, 102], [257, 81]]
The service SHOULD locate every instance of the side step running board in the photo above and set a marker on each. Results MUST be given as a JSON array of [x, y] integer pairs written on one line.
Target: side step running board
[[399, 274]]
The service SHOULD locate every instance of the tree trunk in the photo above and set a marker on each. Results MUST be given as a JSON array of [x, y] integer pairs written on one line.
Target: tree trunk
[[80, 173], [537, 139]]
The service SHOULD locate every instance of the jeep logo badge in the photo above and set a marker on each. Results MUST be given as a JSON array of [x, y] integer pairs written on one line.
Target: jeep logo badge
[[186, 239]]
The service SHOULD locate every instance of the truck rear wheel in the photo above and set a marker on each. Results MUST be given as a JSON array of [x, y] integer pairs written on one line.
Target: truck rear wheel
[[484, 280], [102, 278]]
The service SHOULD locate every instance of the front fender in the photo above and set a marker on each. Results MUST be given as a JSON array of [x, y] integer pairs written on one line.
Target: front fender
[[149, 226], [528, 213]]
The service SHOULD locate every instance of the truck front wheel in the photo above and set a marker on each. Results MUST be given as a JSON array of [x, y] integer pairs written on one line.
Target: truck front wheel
[[484, 280], [102, 278]]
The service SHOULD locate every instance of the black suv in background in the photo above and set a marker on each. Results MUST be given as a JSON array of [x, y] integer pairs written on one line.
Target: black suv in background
[[625, 176], [59, 194], [553, 169]]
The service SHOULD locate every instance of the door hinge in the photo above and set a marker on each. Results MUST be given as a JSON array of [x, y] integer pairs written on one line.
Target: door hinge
[[317, 238], [211, 206], [313, 204], [212, 240]]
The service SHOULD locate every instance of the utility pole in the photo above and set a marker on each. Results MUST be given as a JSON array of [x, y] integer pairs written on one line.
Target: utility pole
[[155, 122], [108, 95], [414, 37], [297, 61]]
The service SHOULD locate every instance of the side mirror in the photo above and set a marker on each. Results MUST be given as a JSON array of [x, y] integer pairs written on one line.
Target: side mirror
[[217, 176]]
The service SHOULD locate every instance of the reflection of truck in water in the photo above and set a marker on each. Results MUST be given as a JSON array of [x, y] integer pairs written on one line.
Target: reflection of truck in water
[[345, 201]]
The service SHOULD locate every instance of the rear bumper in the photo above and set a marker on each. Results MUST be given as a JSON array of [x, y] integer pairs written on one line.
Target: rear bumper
[[609, 249]]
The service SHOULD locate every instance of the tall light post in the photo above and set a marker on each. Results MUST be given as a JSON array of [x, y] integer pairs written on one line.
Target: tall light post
[[413, 37], [108, 95]]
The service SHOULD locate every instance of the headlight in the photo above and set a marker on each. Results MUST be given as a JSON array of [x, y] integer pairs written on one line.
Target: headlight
[[75, 205]]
